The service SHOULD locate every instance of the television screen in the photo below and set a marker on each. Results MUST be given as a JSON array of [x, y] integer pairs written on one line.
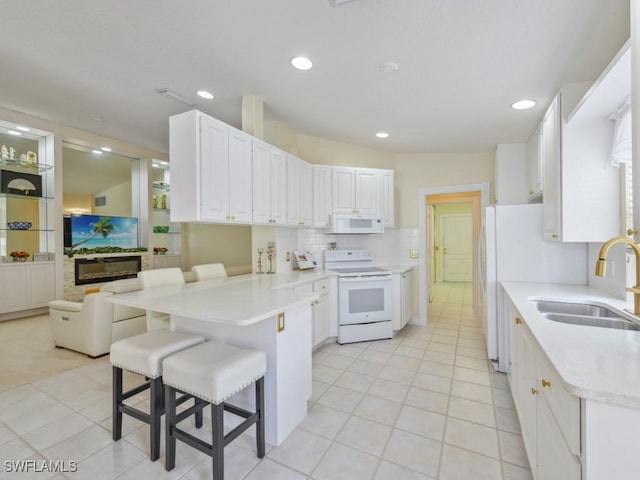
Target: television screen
[[91, 231]]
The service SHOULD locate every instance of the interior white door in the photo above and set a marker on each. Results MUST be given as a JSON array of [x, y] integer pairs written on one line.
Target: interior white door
[[456, 242]]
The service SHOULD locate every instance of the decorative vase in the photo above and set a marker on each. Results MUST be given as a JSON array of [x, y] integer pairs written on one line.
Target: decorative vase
[[260, 252]]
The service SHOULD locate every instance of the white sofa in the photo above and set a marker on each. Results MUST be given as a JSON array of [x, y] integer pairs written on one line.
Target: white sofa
[[91, 326]]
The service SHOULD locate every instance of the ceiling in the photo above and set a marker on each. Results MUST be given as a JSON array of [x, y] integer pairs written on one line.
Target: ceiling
[[95, 64]]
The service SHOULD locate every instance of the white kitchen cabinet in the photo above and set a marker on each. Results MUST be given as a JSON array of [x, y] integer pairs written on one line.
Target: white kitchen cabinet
[[269, 184], [549, 416], [26, 286], [321, 195], [402, 284], [210, 170], [356, 190], [387, 197], [299, 192], [535, 166], [321, 311], [551, 156]]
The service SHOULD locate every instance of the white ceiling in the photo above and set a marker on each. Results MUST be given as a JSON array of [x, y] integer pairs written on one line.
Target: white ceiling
[[462, 63]]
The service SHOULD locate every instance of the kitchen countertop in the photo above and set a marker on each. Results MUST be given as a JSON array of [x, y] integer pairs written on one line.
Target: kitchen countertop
[[397, 268], [596, 363]]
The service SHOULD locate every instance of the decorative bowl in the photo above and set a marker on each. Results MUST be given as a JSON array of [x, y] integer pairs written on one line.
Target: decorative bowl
[[19, 225], [160, 228]]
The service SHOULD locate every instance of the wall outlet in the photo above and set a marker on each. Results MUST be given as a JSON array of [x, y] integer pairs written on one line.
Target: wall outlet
[[288, 256], [413, 253]]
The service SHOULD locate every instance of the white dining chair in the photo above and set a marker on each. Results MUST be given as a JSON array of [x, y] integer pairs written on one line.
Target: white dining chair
[[208, 271], [160, 277]]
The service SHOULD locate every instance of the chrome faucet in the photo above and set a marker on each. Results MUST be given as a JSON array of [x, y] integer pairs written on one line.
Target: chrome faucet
[[601, 267]]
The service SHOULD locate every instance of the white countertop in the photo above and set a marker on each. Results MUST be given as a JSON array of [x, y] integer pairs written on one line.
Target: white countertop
[[241, 300], [397, 268], [596, 363]]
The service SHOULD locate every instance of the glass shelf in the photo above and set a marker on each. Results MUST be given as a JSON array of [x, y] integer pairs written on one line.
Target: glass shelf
[[167, 233], [26, 231], [23, 197], [161, 210], [10, 162]]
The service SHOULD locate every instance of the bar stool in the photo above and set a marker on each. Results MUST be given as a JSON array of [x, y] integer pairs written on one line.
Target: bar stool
[[213, 372], [143, 354]]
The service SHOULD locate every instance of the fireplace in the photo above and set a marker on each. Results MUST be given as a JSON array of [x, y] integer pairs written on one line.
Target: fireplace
[[105, 269]]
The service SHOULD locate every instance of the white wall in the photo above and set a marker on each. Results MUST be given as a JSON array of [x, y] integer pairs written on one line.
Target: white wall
[[118, 201], [511, 185], [207, 243]]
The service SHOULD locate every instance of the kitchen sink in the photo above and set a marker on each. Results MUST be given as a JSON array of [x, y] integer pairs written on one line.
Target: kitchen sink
[[584, 309], [606, 322], [585, 314]]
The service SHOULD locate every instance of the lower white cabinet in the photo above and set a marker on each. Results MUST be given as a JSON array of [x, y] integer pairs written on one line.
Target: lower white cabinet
[[324, 309], [26, 286], [549, 415], [402, 298]]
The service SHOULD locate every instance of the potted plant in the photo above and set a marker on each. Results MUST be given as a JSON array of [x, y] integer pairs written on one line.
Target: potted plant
[[19, 256], [160, 250]]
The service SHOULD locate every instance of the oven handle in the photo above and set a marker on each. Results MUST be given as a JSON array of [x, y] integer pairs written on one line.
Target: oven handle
[[368, 278]]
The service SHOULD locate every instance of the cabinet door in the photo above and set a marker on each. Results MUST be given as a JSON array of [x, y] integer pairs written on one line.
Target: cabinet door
[[321, 196], [306, 196], [321, 320], [293, 190], [551, 154], [367, 191], [535, 164], [406, 288], [13, 294], [214, 164], [278, 187], [344, 190], [240, 177], [396, 282], [39, 285], [261, 182], [387, 197]]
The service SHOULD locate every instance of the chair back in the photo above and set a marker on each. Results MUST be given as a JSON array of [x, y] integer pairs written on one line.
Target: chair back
[[208, 271], [160, 277]]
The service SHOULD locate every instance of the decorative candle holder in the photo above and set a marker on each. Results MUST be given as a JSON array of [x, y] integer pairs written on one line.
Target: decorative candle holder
[[270, 254], [260, 252]]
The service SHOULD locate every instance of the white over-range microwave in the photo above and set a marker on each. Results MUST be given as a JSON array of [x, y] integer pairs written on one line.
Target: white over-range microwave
[[353, 223]]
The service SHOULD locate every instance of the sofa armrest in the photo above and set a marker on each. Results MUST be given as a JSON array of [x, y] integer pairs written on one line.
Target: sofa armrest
[[65, 305]]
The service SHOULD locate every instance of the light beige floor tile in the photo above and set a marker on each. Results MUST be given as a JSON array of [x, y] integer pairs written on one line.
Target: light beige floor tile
[[58, 431], [514, 472], [507, 420], [440, 338], [378, 409], [441, 347], [472, 436], [384, 346], [413, 451], [340, 399], [427, 400], [388, 390], [101, 410], [352, 351], [366, 367], [6, 433], [238, 462], [470, 362], [365, 435], [375, 356], [146, 469], [345, 463], [301, 451], [88, 397], [432, 382], [472, 352], [354, 381], [80, 446], [38, 417], [472, 391], [15, 449], [422, 422], [440, 357], [410, 351], [499, 380], [470, 375], [337, 361], [324, 421], [67, 384], [24, 404], [435, 368], [512, 449], [109, 462], [391, 471], [268, 469], [503, 398], [472, 411], [325, 374], [459, 464], [317, 389], [397, 375], [400, 361], [414, 340]]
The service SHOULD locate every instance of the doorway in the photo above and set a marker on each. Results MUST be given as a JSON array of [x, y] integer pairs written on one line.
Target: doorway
[[455, 245], [476, 198]]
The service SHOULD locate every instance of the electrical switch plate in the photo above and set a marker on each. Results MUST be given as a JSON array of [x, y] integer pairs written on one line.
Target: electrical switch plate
[[413, 253], [280, 321], [288, 256]]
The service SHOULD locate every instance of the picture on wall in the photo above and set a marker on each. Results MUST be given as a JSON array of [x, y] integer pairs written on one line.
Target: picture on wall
[[90, 231], [19, 183]]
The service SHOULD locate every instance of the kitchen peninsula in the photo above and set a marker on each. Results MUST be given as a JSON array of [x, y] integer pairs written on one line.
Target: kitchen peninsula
[[250, 311]]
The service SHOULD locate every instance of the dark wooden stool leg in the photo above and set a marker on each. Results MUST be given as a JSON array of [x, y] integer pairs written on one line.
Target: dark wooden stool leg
[[155, 417], [199, 414], [116, 415], [217, 453], [260, 422], [170, 423]]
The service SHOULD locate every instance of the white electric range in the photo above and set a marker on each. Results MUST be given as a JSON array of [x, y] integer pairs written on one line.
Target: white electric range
[[364, 296]]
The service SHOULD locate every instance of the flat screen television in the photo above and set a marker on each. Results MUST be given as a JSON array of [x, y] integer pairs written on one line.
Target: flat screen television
[[91, 231]]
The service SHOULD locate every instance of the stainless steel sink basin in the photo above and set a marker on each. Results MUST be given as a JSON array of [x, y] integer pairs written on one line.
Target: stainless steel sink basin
[[584, 309], [606, 322]]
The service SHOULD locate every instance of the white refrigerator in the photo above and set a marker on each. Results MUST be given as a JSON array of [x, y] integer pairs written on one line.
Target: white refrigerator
[[514, 250]]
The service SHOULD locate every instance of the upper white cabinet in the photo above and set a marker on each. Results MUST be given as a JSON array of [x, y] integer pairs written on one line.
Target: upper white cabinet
[[535, 166], [321, 195], [356, 190], [269, 184], [387, 198], [211, 170], [299, 192]]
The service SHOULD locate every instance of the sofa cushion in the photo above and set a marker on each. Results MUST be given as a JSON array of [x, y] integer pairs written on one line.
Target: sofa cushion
[[65, 305]]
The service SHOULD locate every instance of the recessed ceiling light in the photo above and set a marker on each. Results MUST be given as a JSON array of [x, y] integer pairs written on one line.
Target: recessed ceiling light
[[205, 94], [382, 135], [301, 63], [22, 129], [523, 104], [14, 132], [105, 149], [389, 67], [99, 152]]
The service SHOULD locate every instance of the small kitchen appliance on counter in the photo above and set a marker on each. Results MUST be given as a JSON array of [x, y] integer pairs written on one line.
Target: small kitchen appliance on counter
[[364, 296]]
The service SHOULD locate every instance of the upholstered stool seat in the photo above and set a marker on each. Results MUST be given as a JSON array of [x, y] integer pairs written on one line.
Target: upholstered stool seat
[[143, 354], [213, 372]]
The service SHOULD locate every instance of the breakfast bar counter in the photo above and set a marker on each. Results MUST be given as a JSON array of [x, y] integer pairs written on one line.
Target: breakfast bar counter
[[249, 311]]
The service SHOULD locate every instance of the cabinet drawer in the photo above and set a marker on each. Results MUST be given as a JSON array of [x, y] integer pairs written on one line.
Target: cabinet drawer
[[321, 286], [305, 287], [564, 406]]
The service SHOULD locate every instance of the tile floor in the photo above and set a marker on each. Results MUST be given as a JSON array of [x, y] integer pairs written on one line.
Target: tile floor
[[424, 405]]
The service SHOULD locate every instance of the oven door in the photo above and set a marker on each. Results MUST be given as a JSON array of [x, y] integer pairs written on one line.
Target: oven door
[[364, 299]]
